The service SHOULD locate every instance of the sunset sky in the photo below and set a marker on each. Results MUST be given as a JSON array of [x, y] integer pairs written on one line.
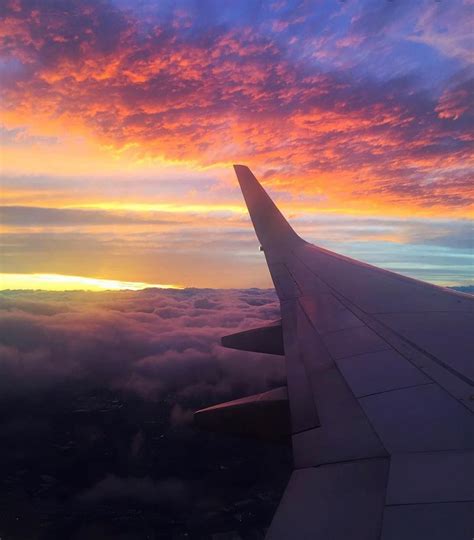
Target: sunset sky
[[120, 121]]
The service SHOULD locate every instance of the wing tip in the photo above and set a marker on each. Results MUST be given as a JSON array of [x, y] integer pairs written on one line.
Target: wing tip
[[240, 168], [269, 223], [245, 176]]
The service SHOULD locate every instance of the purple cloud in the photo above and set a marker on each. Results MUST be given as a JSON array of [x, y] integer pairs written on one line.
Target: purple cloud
[[152, 342]]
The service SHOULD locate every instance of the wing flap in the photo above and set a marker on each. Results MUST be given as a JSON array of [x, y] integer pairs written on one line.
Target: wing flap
[[265, 339], [264, 416]]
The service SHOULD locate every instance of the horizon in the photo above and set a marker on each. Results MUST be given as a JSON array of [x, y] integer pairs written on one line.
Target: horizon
[[65, 283]]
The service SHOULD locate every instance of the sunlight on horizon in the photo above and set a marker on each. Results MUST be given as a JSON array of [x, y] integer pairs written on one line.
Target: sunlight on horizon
[[61, 282]]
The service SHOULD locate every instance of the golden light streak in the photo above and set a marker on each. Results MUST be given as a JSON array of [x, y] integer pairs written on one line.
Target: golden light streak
[[61, 282], [162, 207]]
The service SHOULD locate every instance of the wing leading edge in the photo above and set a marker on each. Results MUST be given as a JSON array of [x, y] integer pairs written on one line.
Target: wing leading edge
[[380, 385]]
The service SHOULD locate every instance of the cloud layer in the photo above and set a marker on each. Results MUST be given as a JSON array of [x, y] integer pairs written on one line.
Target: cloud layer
[[97, 392], [154, 343], [322, 99], [219, 249]]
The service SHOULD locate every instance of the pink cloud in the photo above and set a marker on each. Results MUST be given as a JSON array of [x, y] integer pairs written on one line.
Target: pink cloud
[[223, 95]]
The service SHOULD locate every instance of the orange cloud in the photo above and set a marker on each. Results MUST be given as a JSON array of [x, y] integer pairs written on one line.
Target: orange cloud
[[227, 95]]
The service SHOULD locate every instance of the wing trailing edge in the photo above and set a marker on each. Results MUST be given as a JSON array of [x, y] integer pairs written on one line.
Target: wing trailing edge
[[263, 416], [264, 339]]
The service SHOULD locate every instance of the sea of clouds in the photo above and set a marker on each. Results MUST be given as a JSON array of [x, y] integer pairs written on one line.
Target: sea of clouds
[[97, 394], [151, 342]]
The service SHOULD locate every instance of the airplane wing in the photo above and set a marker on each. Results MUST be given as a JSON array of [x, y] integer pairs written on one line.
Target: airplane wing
[[380, 372]]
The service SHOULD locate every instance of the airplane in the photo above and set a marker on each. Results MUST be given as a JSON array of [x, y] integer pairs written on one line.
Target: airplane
[[379, 399]]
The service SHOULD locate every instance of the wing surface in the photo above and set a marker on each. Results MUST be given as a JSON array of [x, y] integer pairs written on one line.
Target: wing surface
[[380, 374]]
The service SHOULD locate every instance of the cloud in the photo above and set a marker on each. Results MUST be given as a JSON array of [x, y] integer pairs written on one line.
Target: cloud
[[180, 416], [456, 100], [98, 391], [433, 29], [21, 137], [162, 247], [210, 92], [152, 343], [27, 216]]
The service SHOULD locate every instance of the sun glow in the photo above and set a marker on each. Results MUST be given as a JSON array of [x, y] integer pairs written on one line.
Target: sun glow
[[162, 207], [61, 282]]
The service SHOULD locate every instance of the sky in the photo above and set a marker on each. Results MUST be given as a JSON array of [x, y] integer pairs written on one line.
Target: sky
[[120, 121]]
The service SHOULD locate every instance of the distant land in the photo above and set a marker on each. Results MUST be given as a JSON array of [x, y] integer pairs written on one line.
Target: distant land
[[469, 289]]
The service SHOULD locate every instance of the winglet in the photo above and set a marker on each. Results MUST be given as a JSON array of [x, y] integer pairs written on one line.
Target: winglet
[[271, 227]]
